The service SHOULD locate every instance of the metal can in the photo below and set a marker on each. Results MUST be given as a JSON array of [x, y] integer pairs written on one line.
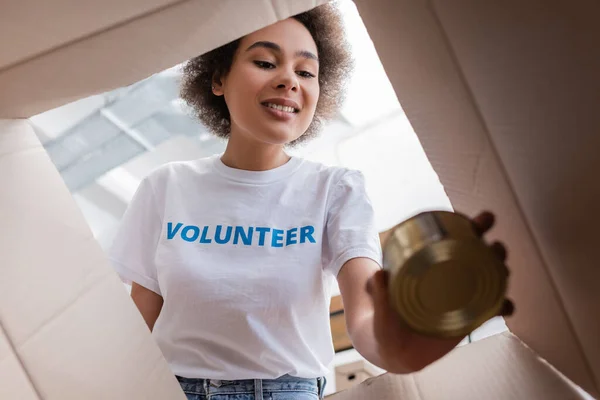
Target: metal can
[[444, 280]]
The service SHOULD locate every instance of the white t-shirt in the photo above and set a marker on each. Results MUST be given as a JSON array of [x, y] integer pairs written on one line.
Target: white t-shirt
[[245, 261]]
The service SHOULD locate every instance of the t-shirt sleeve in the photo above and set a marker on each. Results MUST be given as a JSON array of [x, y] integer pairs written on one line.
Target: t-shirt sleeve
[[350, 227], [133, 251]]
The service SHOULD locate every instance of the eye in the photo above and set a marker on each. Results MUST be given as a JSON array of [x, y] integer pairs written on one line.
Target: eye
[[305, 74], [264, 64]]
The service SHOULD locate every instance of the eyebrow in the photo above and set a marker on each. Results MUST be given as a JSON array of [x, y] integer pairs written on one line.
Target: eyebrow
[[277, 48]]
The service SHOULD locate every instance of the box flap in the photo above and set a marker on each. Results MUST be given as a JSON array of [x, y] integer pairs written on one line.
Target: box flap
[[503, 97], [31, 27], [497, 368], [69, 328], [94, 46], [14, 382]]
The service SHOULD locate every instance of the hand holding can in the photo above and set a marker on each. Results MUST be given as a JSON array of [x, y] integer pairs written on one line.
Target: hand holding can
[[443, 279]]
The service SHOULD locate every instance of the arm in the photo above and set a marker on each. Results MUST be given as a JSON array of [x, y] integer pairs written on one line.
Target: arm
[[148, 302], [374, 327]]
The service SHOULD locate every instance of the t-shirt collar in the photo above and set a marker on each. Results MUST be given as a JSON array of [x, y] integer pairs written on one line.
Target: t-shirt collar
[[257, 177]]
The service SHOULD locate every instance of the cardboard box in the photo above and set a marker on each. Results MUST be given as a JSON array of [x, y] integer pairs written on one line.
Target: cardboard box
[[53, 53], [504, 99], [68, 328], [352, 374], [497, 368]]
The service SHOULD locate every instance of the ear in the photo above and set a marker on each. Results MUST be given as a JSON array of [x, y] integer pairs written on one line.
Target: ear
[[217, 85]]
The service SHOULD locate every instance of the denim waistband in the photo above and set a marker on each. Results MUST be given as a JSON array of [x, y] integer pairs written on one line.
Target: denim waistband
[[285, 383]]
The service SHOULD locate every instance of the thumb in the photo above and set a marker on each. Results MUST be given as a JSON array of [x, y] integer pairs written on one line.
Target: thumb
[[377, 286]]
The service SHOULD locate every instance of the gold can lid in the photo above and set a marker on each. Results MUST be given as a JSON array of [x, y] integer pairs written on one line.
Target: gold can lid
[[449, 288]]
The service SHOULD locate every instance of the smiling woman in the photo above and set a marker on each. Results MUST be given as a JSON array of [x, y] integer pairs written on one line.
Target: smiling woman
[[325, 57], [233, 257]]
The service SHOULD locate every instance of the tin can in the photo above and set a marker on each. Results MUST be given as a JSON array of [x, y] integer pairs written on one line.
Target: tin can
[[444, 280]]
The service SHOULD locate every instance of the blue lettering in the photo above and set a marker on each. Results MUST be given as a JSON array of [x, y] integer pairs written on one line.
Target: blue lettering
[[246, 239], [172, 232], [277, 238], [218, 235], [290, 237], [204, 239], [194, 237], [224, 234], [262, 232], [306, 232]]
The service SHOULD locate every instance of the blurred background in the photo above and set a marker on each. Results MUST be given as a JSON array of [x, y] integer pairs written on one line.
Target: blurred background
[[105, 144]]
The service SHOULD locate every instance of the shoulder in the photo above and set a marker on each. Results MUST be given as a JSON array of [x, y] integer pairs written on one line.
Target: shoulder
[[338, 186], [178, 171], [333, 175]]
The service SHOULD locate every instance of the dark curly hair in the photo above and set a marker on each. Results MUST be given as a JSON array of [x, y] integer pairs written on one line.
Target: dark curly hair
[[335, 64]]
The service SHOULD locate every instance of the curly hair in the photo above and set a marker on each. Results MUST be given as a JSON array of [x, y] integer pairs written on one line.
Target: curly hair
[[335, 64]]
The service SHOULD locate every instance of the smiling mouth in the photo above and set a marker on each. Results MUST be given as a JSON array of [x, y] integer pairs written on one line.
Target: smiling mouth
[[287, 109]]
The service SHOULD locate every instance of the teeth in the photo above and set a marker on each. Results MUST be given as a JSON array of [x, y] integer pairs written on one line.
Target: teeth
[[281, 108]]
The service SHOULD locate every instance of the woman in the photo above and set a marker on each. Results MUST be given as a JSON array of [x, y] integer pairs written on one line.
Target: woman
[[232, 257]]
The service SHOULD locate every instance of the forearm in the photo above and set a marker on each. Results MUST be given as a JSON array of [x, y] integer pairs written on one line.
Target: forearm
[[362, 336], [374, 326]]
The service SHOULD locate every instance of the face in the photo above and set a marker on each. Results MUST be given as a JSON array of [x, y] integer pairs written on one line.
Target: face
[[272, 87]]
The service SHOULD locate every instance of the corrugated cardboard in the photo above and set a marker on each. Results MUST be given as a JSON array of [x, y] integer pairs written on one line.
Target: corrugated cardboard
[[500, 367], [504, 98]]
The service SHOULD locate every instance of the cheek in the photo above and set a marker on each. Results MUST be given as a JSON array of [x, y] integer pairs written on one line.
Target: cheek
[[312, 97], [246, 87]]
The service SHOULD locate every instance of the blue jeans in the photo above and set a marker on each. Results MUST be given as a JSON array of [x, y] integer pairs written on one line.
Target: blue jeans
[[284, 388]]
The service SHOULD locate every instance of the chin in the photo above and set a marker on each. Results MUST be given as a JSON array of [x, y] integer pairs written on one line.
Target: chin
[[279, 137]]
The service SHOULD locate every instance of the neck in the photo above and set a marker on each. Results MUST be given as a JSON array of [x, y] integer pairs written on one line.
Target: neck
[[250, 155]]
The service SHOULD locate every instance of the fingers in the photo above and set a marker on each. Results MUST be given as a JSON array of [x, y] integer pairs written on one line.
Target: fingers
[[377, 285], [508, 308], [483, 222], [500, 250]]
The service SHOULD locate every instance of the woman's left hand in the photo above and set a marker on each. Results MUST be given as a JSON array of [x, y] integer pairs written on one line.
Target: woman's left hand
[[400, 349]]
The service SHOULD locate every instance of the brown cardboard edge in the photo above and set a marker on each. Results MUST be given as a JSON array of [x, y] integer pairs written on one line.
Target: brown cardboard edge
[[555, 268], [411, 386], [383, 25]]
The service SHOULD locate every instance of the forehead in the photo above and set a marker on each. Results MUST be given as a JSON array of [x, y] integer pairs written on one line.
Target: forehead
[[289, 34]]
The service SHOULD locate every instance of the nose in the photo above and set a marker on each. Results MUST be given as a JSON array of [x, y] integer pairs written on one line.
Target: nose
[[287, 80]]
